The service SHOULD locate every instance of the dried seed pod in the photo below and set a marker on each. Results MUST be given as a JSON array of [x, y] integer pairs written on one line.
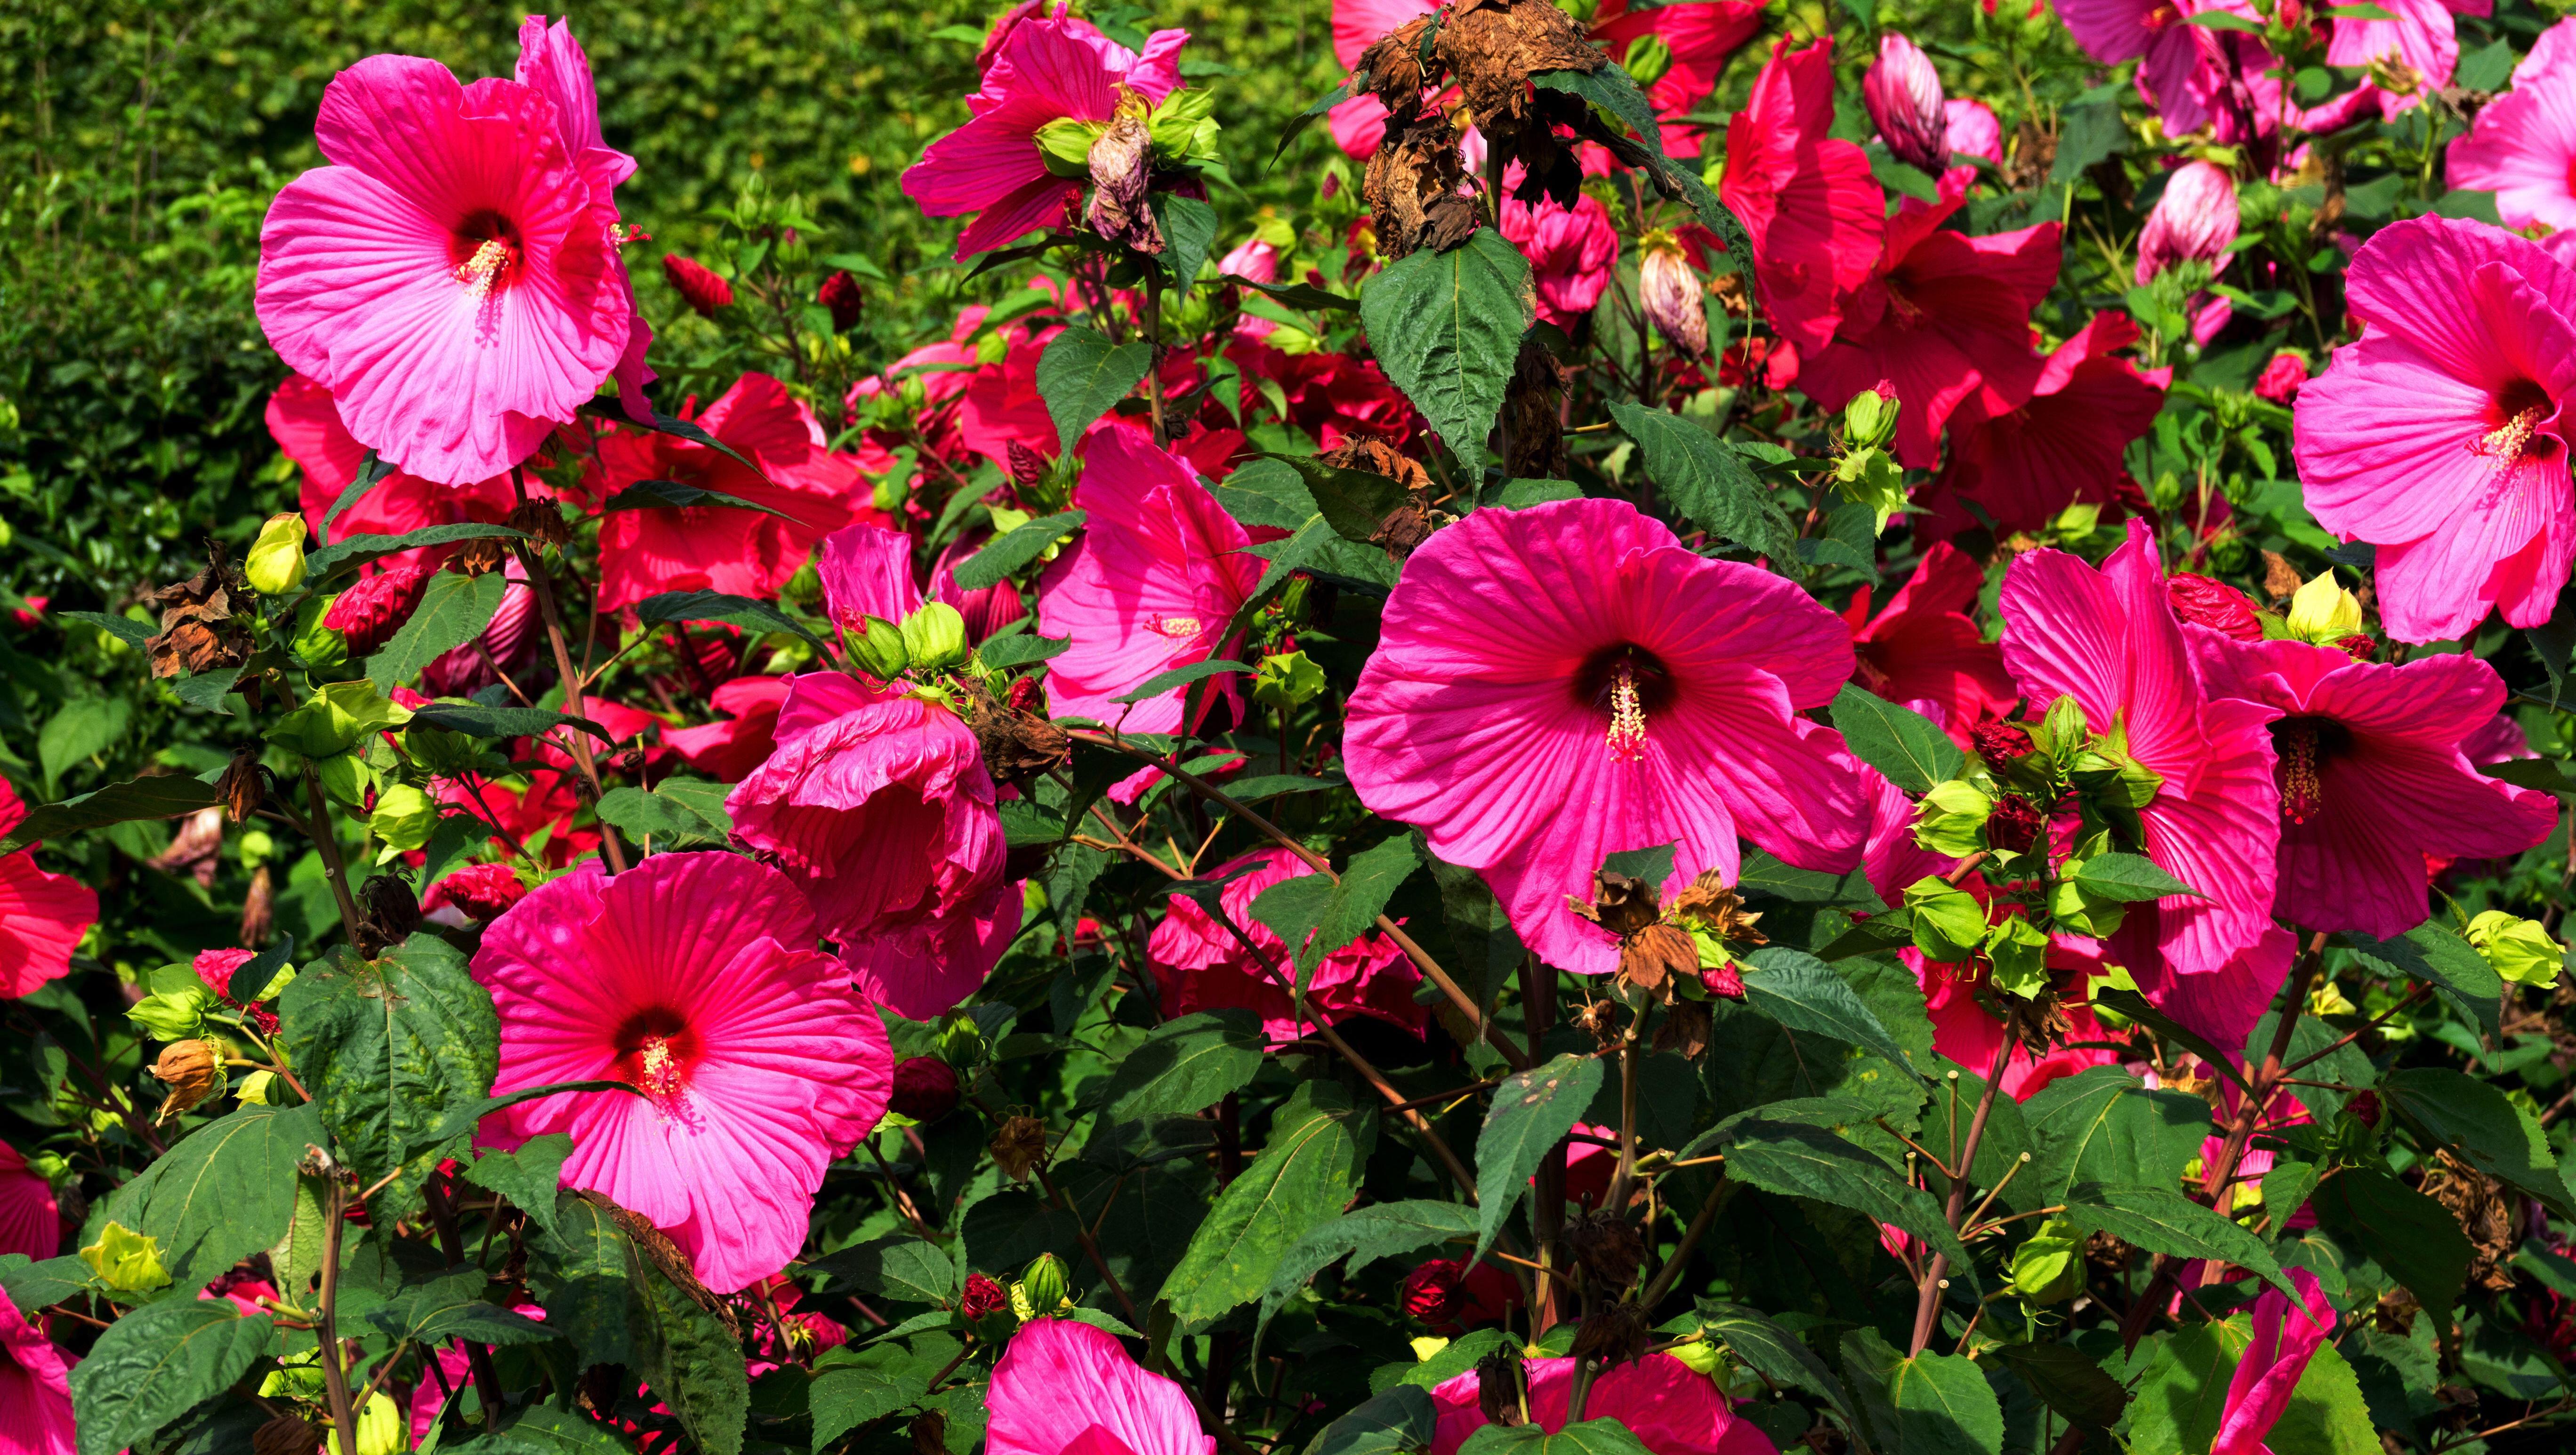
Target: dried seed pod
[[192, 1070]]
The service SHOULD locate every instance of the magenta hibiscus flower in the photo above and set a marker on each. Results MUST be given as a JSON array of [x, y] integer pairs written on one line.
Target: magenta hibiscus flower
[[35, 1389], [694, 979], [30, 1221], [923, 969], [1571, 252], [2286, 1336], [1054, 69], [1926, 650], [2440, 435], [1152, 585], [1559, 684], [307, 428], [42, 916], [1066, 1388], [451, 277], [2109, 639], [1670, 1407], [2522, 145], [2374, 775], [2066, 444]]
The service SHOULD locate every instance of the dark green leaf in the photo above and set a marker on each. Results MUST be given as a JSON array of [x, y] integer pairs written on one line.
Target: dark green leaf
[[1803, 993], [2443, 960], [32, 1284], [169, 796], [1612, 89], [615, 412], [1653, 864], [901, 1267], [871, 1383], [2162, 1220], [2067, 1382], [2101, 1125], [453, 1307], [81, 729], [1189, 230], [1531, 1113], [1804, 1161], [1025, 649], [1299, 295], [1081, 375], [2087, 133], [752, 616], [2130, 879], [1592, 1437], [477, 721], [157, 1363], [1403, 1418], [1162, 682], [669, 813], [1319, 920], [358, 550], [1897, 741], [1381, 1230], [207, 690], [1025, 543], [371, 473], [2476, 1120], [1706, 480], [2415, 1238], [579, 1270], [1353, 502], [1306, 118], [221, 1193], [253, 975], [453, 610], [1301, 1179], [690, 1355], [672, 495], [1184, 1065], [124, 628], [2180, 1395], [463, 1119], [1780, 1357], [540, 1430], [1446, 327], [1764, 877], [528, 1176], [1930, 1404], [2131, 1004]]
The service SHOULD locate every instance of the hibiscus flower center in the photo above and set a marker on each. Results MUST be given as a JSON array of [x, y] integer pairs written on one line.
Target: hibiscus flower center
[[2517, 412], [656, 1050], [2301, 748], [1178, 628], [486, 248], [1626, 684]]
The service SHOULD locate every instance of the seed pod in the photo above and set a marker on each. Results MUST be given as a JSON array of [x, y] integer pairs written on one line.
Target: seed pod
[[191, 1070]]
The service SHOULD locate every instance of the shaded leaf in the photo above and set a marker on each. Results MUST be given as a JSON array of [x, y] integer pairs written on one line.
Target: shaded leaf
[[453, 610], [1446, 327], [1082, 374], [1531, 1112], [1302, 1178], [157, 1363], [168, 796], [1023, 544], [1706, 480]]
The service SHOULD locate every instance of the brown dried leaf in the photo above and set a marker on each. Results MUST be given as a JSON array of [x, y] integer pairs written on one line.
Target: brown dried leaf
[[1413, 170], [1496, 46]]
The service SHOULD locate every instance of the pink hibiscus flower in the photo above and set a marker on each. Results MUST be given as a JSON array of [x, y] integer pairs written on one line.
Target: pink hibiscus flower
[[1973, 129], [1670, 1407], [450, 277], [694, 979], [1968, 1033], [2522, 145], [727, 751], [2067, 444], [924, 969], [1050, 69], [1815, 217], [721, 547], [1571, 252], [2112, 31], [1203, 967], [1066, 1388], [35, 1389], [2439, 436], [2109, 639], [30, 1221], [554, 65], [1558, 684], [2374, 775], [1946, 318], [1926, 645], [2419, 34], [2286, 1337], [1152, 585], [306, 425], [42, 916]]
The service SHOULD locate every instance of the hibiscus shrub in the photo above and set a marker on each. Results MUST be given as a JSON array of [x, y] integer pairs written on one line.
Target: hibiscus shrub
[[1728, 754]]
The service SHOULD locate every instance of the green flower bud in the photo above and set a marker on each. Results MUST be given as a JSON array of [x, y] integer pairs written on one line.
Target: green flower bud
[[1048, 1285], [2078, 912], [877, 649], [2323, 611], [381, 1429], [1648, 58], [345, 777], [961, 1042], [1184, 127], [254, 1087], [1870, 476], [1064, 145], [2062, 732], [1951, 819], [448, 754], [275, 564], [124, 1261], [2518, 949], [1869, 420], [1949, 924], [1704, 1356], [318, 647], [2019, 952], [934, 637], [2049, 1266], [1286, 680], [337, 718], [404, 818], [176, 1014]]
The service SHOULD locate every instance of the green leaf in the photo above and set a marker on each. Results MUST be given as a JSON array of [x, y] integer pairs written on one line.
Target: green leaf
[[1301, 1179], [124, 628], [1353, 502], [528, 1176], [2474, 1118], [1803, 993], [752, 616], [79, 730], [900, 1267], [464, 1117], [2136, 1007], [478, 721], [2130, 879], [1162, 682], [1299, 295], [578, 1268], [2067, 1381], [1319, 920], [1612, 89], [168, 796], [1025, 543], [1380, 1230], [541, 1430], [2415, 1238], [1185, 1064], [33, 1284], [453, 610], [389, 1048], [2087, 133], [1189, 230], [1780, 1357], [672, 495], [252, 975], [1897, 741], [1706, 480], [358, 550], [1446, 327], [453, 1307], [1531, 1113], [1306, 118], [2100, 1125], [1401, 1419], [2443, 960], [2181, 1393], [371, 473], [1930, 1404], [156, 1364], [2221, 20], [615, 412], [869, 1384], [221, 1193], [1022, 649], [207, 690], [690, 1355], [2162, 1220], [1592, 1437], [1270, 492], [1081, 375], [1804, 1161], [672, 813]]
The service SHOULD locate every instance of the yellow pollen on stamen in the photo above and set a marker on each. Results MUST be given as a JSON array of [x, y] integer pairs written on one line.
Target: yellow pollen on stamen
[[484, 268], [2505, 443], [1177, 627], [661, 1069], [1627, 715]]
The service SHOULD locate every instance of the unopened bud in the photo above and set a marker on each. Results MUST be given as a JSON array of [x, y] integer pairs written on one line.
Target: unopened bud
[[1649, 58], [1047, 1284], [1951, 819], [404, 818], [1949, 923], [2194, 221], [2518, 949], [542, 521], [2049, 1265], [2323, 611], [1435, 1293], [925, 1089], [172, 1015], [192, 1070], [2018, 952], [983, 1297], [934, 637], [877, 649], [125, 1261], [1869, 419], [1671, 295], [275, 565], [1903, 94], [702, 290]]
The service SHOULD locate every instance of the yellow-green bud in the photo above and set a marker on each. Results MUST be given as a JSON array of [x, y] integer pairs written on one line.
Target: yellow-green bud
[[1287, 680], [1648, 58], [2019, 950], [1869, 420], [1704, 1356], [2062, 731], [934, 637], [2078, 912], [2049, 1267], [404, 818], [318, 647], [1949, 924], [2518, 949], [877, 649], [275, 564], [124, 1261], [2322, 611], [173, 1015], [961, 1042], [337, 718], [1064, 145], [443, 753], [1048, 1285], [1951, 819]]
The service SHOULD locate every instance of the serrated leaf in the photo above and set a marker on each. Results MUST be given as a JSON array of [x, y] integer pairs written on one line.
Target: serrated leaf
[[1023, 544], [253, 974], [2180, 1395], [1302, 1178], [1162, 682], [672, 495], [1082, 374], [900, 1267], [2443, 960], [1446, 327], [1319, 916], [453, 610], [1353, 502], [2162, 1220], [1189, 230], [615, 412], [1804, 1161], [2067, 1381], [157, 1363], [1531, 1112], [671, 815], [359, 550], [2130, 879], [541, 1430], [1592, 1437], [1706, 480], [2413, 1237], [478, 721], [527, 1176], [170, 796], [1381, 1230], [452, 1306], [221, 1193], [1401, 1419], [1803, 993], [79, 730], [1930, 1404], [124, 628], [579, 1271], [2102, 1125], [372, 472], [1023, 649], [752, 616], [1298, 295], [1781, 1357], [1184, 1065], [2481, 1124], [868, 1384], [1897, 741]]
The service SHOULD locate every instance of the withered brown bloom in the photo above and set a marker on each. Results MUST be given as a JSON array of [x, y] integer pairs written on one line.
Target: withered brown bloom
[[1019, 1144], [198, 632]]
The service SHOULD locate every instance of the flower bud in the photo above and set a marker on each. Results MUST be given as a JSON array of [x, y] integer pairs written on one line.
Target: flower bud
[[2323, 611], [934, 637], [1903, 94], [2049, 1266], [2079, 912], [2518, 949], [701, 289], [1435, 1293], [375, 607], [1999, 744], [1120, 162], [2194, 221], [480, 892], [1672, 296], [925, 1089], [961, 1041], [2018, 951], [192, 1070], [2213, 604], [2062, 731], [172, 1015], [1869, 419], [983, 1297], [1649, 58], [1047, 1285], [275, 565], [125, 1261], [1287, 679], [878, 649], [404, 818], [2014, 826], [1951, 819], [1949, 923], [2281, 378], [840, 295]]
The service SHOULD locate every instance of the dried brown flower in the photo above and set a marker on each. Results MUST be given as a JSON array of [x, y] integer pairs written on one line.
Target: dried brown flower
[[1393, 67], [1377, 457], [196, 849], [2479, 1204], [191, 1069], [929, 1433], [1018, 744], [1416, 189], [1019, 1144], [543, 523], [1616, 1334], [1121, 160], [198, 633], [1714, 903], [1495, 46], [1621, 903], [480, 556], [1498, 1387], [389, 913], [259, 908], [244, 784], [1607, 1247], [666, 1255]]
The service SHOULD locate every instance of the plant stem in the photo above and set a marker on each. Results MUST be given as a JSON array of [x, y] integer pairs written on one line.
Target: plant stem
[[1547, 1198], [1927, 1301], [478, 1358], [335, 1379], [1672, 1269], [326, 842], [1090, 1246], [1154, 357]]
